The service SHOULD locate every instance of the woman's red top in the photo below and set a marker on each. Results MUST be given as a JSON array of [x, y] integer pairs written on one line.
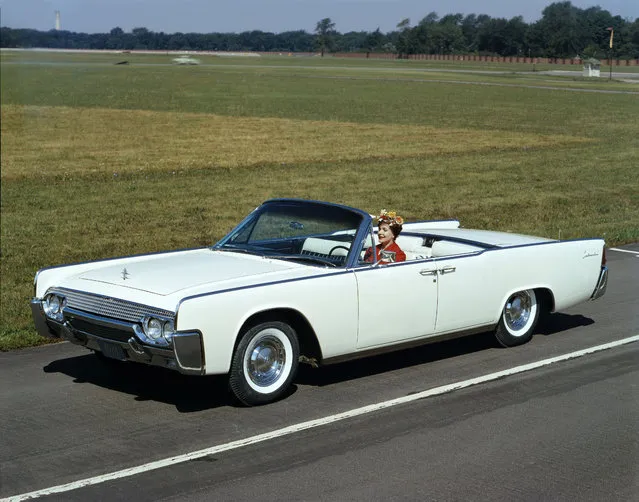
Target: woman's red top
[[392, 254]]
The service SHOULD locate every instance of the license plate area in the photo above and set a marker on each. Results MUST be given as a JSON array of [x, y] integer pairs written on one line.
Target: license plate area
[[112, 350]]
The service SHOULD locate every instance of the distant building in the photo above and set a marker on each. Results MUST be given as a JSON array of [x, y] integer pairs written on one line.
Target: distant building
[[592, 67]]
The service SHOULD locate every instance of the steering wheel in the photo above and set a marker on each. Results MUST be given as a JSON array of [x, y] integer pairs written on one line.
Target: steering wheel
[[338, 247]]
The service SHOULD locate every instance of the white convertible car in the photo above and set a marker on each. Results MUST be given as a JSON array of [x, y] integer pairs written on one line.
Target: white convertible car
[[290, 284]]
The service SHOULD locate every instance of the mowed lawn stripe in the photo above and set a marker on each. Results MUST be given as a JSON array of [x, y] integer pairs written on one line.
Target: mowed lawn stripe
[[59, 141]]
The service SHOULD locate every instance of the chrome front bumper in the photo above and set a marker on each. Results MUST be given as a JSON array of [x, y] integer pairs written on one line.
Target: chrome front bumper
[[602, 284], [118, 340]]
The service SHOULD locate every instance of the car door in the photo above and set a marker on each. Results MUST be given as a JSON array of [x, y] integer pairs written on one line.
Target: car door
[[397, 302], [466, 289]]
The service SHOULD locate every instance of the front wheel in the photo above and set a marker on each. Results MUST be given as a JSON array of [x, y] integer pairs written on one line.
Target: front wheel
[[264, 363], [518, 319]]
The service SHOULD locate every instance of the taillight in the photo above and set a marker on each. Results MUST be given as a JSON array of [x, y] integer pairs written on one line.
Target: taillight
[[603, 257]]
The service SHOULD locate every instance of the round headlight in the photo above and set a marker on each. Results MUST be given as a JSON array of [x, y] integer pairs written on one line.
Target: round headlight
[[169, 330], [154, 329], [52, 305]]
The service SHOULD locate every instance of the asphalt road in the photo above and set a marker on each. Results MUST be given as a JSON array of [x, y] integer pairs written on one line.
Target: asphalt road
[[568, 431], [629, 76]]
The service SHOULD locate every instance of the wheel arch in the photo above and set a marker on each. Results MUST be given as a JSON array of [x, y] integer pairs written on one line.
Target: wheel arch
[[543, 293], [309, 344], [546, 298]]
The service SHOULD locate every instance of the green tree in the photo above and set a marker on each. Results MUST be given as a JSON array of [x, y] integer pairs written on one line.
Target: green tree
[[404, 40], [142, 37], [375, 41], [325, 30], [633, 39], [424, 34], [559, 27], [563, 31], [450, 35], [593, 23], [515, 37], [295, 41], [353, 41]]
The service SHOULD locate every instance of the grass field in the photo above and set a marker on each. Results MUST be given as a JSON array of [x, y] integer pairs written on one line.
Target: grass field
[[103, 160]]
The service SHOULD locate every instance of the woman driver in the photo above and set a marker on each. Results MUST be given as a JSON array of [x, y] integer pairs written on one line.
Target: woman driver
[[389, 225]]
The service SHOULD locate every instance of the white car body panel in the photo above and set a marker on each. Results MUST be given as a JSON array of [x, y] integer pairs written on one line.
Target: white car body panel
[[164, 279], [473, 295], [417, 226], [390, 313], [501, 239], [173, 273], [328, 302]]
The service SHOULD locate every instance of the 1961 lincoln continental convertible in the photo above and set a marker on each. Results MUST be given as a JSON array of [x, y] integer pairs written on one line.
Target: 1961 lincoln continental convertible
[[290, 283]]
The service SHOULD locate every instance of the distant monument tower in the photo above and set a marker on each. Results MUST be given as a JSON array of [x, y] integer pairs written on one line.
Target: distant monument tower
[[57, 20]]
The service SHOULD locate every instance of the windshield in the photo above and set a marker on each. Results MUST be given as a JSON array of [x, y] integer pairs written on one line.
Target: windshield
[[309, 232]]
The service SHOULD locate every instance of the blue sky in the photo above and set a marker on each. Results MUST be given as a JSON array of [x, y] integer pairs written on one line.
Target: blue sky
[[206, 16]]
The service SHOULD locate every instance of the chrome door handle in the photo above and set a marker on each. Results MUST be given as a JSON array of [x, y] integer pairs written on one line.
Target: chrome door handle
[[447, 270], [428, 272]]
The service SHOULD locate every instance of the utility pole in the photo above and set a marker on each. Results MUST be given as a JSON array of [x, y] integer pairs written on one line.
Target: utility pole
[[612, 33]]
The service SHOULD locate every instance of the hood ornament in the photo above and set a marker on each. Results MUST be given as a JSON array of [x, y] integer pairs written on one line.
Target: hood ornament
[[125, 274]]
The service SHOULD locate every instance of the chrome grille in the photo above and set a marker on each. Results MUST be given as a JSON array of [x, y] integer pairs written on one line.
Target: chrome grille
[[110, 307]]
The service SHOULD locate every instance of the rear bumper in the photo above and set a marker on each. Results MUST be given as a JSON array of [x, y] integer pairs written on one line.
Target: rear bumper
[[186, 355], [602, 284]]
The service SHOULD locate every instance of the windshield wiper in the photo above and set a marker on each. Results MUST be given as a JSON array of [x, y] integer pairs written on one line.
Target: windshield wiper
[[232, 249]]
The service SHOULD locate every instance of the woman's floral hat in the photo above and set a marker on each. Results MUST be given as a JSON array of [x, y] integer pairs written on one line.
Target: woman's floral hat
[[390, 217]]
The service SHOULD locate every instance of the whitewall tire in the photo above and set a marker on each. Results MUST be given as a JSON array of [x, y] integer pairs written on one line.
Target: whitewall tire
[[518, 318], [264, 363]]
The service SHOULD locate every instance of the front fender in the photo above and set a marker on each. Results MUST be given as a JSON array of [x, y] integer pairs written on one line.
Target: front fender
[[328, 303]]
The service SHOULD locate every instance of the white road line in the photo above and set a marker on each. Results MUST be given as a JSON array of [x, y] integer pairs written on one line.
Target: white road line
[[159, 464], [625, 251]]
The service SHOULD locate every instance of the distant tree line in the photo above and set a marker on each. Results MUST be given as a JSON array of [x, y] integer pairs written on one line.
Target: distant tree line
[[563, 31]]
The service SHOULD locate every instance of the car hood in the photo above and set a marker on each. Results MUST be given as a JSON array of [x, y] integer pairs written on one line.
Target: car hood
[[170, 273]]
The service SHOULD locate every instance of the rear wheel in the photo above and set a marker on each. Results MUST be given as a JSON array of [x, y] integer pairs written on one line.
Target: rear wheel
[[518, 319], [264, 363]]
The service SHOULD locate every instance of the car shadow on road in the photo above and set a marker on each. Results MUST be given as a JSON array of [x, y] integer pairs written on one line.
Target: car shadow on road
[[551, 324], [190, 394], [146, 383]]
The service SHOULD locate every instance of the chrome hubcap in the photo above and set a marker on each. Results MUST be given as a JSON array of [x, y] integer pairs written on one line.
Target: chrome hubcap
[[518, 310], [265, 360]]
